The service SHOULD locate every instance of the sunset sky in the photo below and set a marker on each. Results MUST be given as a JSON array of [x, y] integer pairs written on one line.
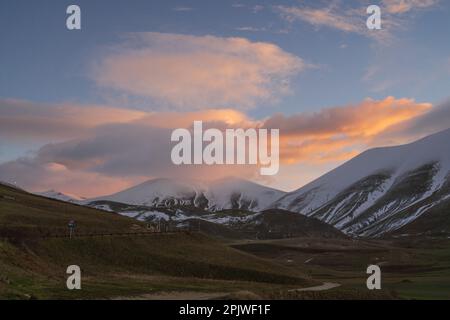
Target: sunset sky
[[90, 112]]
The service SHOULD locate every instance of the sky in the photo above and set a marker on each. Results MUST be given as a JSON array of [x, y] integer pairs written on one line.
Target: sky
[[90, 111]]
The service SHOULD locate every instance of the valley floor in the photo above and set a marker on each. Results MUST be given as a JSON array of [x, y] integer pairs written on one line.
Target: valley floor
[[298, 268], [415, 268]]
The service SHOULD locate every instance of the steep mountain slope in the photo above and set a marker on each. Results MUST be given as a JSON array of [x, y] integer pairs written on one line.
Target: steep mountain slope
[[435, 221], [229, 193], [380, 190]]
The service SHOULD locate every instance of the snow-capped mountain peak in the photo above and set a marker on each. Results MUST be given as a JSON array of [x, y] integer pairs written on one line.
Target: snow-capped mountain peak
[[156, 192], [227, 193]]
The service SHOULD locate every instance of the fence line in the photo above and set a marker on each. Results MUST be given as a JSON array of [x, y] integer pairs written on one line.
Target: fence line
[[98, 234]]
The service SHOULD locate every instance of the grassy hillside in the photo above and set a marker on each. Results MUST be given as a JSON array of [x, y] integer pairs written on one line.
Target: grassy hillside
[[269, 224], [33, 215], [277, 223], [32, 266]]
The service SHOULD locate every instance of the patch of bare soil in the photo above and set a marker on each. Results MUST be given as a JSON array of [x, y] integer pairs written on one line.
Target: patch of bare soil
[[178, 295]]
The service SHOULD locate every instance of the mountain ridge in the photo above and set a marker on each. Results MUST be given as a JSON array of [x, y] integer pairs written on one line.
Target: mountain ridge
[[222, 194], [375, 193]]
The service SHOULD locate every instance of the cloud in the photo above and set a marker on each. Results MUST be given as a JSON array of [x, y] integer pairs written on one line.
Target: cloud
[[403, 6], [41, 177], [257, 8], [338, 17], [351, 19], [437, 119], [198, 72], [110, 153], [24, 120], [321, 17], [339, 133], [250, 29], [116, 154], [182, 9]]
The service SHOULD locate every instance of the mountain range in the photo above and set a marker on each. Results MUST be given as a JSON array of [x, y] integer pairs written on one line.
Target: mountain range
[[381, 191]]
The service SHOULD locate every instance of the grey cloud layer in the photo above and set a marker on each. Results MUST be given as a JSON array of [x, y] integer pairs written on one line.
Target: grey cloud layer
[[119, 153]]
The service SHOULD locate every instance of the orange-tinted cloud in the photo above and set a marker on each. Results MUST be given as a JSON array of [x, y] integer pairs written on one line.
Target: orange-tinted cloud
[[352, 18], [403, 6], [198, 72], [327, 16], [39, 177], [228, 117], [341, 132], [20, 119]]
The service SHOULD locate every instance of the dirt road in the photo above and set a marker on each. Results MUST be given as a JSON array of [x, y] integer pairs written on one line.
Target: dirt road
[[322, 287]]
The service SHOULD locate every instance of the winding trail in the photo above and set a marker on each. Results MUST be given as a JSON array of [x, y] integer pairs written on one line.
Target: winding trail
[[322, 287]]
